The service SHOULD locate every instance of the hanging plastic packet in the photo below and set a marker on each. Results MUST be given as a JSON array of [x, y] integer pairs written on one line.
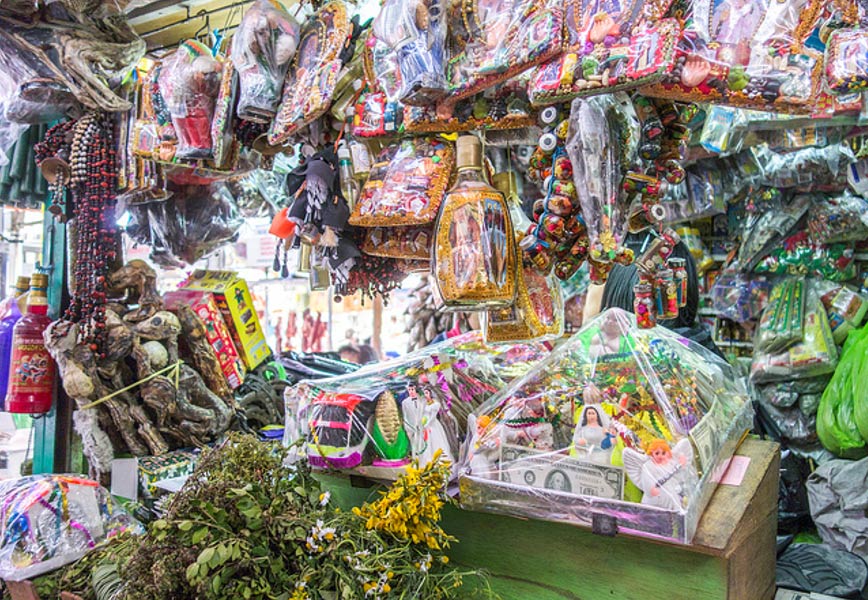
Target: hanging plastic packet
[[782, 322], [262, 50], [474, 248], [723, 130]]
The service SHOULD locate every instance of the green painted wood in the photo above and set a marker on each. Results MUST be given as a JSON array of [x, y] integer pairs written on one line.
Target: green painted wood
[[51, 431], [538, 560]]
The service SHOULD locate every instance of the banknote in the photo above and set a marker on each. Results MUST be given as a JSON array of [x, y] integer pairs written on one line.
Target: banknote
[[560, 473]]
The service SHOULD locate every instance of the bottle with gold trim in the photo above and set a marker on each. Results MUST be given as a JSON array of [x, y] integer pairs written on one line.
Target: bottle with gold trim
[[474, 249]]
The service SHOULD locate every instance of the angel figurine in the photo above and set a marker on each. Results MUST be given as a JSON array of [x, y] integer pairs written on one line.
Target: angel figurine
[[665, 475]]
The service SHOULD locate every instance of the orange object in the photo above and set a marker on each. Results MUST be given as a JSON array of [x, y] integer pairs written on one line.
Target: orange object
[[281, 226]]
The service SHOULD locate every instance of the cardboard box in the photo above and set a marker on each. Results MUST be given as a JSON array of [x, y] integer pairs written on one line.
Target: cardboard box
[[217, 332], [236, 304]]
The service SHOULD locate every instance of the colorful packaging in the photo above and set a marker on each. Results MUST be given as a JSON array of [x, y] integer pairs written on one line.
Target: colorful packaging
[[205, 307], [236, 304]]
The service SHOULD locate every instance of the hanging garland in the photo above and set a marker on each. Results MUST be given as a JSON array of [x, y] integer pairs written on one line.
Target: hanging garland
[[81, 154]]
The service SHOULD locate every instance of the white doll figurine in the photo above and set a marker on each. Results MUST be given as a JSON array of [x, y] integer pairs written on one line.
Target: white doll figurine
[[427, 433], [594, 437], [665, 475], [483, 445]]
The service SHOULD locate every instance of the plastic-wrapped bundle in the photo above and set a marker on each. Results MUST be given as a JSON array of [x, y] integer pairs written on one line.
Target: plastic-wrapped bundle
[[846, 70], [765, 231], [492, 40], [748, 53], [189, 84], [796, 255], [262, 49], [844, 306], [842, 418], [409, 50], [808, 168], [738, 297], [783, 321], [839, 219], [48, 521], [376, 420], [622, 423]]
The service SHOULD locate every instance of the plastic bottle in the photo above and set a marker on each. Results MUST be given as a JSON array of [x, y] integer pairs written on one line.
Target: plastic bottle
[[349, 185], [31, 372], [11, 315]]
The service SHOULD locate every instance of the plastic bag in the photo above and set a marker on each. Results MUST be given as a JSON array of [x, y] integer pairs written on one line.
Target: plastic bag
[[376, 420], [406, 185], [839, 499], [738, 297], [815, 355], [597, 150], [820, 569], [490, 42], [839, 219], [620, 422], [609, 47], [257, 193], [836, 417], [765, 231], [413, 50], [262, 49], [312, 80], [53, 520], [374, 115], [797, 256], [189, 83], [223, 141], [745, 53], [807, 168], [846, 71], [783, 321], [845, 307], [191, 224]]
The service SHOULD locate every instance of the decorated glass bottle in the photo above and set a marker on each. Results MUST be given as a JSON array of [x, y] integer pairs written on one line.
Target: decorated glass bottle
[[538, 310], [474, 250], [31, 372], [11, 315]]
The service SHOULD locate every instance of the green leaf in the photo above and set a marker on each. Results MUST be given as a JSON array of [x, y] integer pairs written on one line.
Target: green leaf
[[247, 593], [192, 572], [199, 535], [300, 491], [185, 525], [205, 556], [215, 585]]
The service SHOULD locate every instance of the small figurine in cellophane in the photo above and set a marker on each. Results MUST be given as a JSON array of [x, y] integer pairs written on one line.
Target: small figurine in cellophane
[[749, 53], [189, 83], [406, 185], [602, 144], [409, 37], [847, 61], [621, 422], [491, 41], [262, 49], [312, 80], [611, 45], [48, 521], [377, 420]]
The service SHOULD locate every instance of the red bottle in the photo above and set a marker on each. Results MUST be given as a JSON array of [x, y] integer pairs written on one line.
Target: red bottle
[[31, 370]]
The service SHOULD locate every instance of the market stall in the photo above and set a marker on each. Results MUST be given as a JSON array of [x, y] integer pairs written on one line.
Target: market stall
[[626, 244]]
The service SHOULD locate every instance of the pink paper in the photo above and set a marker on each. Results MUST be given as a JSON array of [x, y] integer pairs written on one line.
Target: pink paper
[[735, 472]]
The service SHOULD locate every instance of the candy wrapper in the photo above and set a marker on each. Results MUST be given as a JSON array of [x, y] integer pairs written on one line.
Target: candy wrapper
[[839, 219], [409, 50], [406, 184], [611, 46], [603, 135], [49, 521], [846, 69], [374, 115], [738, 297], [620, 423], [375, 421], [411, 243], [844, 306], [796, 255], [313, 77], [815, 355], [492, 40], [189, 84], [783, 321], [745, 53], [262, 49]]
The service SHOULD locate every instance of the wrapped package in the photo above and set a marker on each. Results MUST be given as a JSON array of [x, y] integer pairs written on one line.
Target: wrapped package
[[842, 417], [844, 306], [375, 115], [410, 243], [764, 231], [313, 77], [796, 255], [376, 420], [783, 321], [838, 219], [262, 50], [492, 41], [815, 355], [190, 83], [807, 169], [846, 70], [749, 53], [738, 297], [620, 427], [610, 46], [408, 49], [406, 185], [48, 521]]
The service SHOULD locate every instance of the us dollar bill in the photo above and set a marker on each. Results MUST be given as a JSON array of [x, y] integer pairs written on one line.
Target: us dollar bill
[[559, 473]]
